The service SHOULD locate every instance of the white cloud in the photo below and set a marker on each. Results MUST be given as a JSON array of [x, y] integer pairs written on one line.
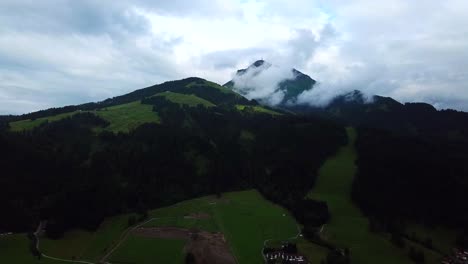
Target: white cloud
[[56, 52], [261, 83]]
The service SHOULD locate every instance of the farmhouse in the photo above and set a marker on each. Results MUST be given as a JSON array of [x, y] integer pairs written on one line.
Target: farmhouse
[[286, 254], [282, 257], [458, 257]]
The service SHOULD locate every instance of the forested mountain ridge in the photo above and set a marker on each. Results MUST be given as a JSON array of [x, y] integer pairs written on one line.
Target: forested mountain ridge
[[196, 86], [76, 165], [128, 111]]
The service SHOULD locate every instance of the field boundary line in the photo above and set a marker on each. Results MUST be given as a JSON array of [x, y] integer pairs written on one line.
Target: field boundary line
[[36, 234], [123, 238], [66, 260], [125, 235]]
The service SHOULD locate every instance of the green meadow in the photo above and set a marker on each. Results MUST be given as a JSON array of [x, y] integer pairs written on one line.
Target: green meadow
[[185, 99], [143, 250], [126, 117], [29, 124], [15, 249], [348, 227], [246, 219], [121, 118], [85, 245], [183, 222], [256, 109]]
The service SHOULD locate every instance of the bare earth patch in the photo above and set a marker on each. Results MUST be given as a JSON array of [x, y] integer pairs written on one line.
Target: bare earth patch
[[198, 216], [206, 247]]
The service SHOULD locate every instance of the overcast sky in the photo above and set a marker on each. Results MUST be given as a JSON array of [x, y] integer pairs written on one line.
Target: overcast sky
[[58, 52]]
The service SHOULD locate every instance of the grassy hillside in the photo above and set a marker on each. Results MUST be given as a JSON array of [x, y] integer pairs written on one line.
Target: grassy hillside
[[125, 117], [348, 228], [186, 99], [256, 109], [121, 118], [29, 124], [125, 113]]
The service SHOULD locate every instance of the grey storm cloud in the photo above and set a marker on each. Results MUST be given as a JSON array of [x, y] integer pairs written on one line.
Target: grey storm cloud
[[57, 52]]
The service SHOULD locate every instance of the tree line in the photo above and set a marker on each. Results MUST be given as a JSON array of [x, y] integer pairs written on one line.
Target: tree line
[[402, 177]]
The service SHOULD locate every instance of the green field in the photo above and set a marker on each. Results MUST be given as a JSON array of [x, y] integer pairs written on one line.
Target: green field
[[122, 118], [126, 117], [201, 224], [15, 249], [78, 245], [29, 124], [72, 245], [245, 218], [348, 228], [185, 99], [86, 245], [144, 250], [256, 109]]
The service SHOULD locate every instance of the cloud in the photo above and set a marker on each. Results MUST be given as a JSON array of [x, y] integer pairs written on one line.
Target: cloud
[[262, 83], [60, 52], [386, 49]]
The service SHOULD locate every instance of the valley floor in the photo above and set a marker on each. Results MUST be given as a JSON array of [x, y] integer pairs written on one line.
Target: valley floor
[[245, 219]]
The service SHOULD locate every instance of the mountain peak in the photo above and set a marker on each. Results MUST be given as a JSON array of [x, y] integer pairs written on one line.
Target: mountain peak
[[258, 63], [284, 85]]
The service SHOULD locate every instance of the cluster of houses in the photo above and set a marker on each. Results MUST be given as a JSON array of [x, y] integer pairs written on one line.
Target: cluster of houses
[[281, 257], [287, 254], [458, 257]]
